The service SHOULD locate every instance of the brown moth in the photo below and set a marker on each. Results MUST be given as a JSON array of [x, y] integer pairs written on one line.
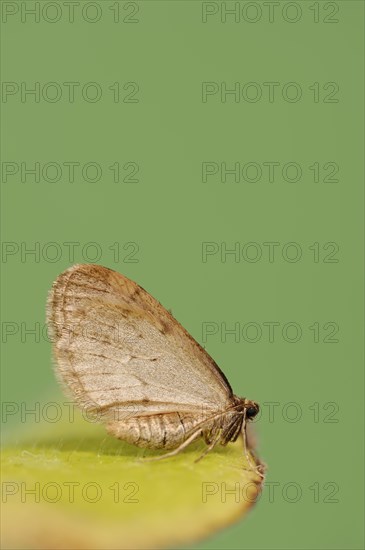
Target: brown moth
[[122, 355]]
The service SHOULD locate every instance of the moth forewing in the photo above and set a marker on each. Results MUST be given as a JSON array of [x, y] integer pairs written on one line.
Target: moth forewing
[[122, 355]]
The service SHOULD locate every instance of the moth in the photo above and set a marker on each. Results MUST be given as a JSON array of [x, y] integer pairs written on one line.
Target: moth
[[123, 356]]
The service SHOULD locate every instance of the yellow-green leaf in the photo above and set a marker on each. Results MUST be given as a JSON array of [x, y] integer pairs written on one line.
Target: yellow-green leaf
[[73, 486]]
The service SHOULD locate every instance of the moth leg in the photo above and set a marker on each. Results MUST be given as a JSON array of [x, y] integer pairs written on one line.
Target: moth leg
[[185, 443], [209, 448], [256, 468]]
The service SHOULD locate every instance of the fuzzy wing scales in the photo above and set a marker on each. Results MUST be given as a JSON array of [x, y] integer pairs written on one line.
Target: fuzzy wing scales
[[118, 349]]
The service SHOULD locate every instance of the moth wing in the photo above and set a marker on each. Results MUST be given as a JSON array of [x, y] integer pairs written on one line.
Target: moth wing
[[117, 348]]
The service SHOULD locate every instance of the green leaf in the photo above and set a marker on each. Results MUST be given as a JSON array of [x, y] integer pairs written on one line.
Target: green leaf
[[70, 485]]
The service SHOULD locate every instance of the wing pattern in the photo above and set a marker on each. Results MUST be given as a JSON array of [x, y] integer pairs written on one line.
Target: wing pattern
[[117, 349]]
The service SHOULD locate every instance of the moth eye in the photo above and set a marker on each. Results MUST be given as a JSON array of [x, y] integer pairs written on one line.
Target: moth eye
[[251, 412]]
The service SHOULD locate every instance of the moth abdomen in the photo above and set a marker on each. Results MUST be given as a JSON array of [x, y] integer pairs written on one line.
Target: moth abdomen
[[158, 431]]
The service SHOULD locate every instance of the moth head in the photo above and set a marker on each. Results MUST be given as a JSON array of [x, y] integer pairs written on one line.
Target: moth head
[[252, 409]]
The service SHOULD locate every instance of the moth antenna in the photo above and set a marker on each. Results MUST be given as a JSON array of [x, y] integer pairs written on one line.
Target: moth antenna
[[190, 439], [197, 432]]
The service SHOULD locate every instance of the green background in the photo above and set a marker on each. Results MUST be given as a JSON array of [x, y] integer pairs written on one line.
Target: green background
[[169, 212]]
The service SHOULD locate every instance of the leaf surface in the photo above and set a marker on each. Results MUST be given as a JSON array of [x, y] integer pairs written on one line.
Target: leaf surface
[[70, 485]]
